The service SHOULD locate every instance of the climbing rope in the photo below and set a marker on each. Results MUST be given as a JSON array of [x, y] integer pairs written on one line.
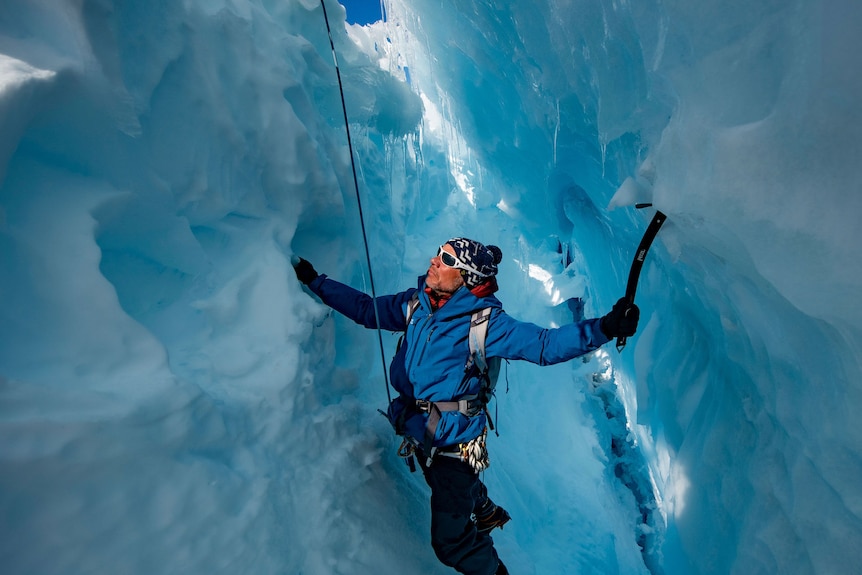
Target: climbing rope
[[359, 204]]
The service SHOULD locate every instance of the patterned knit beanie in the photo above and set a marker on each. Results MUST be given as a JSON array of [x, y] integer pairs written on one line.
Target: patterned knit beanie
[[480, 258]]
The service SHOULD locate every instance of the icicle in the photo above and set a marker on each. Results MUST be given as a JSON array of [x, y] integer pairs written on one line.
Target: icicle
[[556, 131]]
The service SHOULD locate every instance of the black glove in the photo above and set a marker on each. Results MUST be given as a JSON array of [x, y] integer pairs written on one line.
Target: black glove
[[622, 321], [305, 272]]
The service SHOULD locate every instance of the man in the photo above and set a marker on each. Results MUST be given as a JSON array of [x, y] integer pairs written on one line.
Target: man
[[429, 374]]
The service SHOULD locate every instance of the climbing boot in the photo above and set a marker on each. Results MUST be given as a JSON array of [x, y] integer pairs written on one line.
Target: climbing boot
[[491, 516]]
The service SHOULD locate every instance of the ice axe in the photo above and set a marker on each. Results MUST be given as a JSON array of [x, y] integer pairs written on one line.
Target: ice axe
[[638, 262]]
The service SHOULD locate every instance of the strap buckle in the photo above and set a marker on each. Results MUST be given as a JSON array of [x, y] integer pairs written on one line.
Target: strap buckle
[[471, 405]]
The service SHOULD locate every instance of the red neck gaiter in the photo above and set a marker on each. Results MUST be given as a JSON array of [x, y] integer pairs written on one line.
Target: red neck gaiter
[[484, 289]]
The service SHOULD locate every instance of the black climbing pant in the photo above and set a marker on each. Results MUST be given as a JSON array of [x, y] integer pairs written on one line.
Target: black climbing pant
[[455, 492]]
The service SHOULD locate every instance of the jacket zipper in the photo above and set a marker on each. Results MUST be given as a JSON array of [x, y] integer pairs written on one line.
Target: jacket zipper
[[413, 348], [424, 347]]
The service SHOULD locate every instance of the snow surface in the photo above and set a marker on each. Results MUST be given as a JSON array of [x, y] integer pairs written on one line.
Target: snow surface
[[173, 401]]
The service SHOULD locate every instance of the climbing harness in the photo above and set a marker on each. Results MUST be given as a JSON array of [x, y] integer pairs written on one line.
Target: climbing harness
[[358, 203], [638, 262], [474, 452]]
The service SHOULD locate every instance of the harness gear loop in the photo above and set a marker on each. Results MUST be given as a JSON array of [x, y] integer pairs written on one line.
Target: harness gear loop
[[406, 451]]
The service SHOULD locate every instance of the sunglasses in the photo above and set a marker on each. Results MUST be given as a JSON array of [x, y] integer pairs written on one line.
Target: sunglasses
[[451, 261]]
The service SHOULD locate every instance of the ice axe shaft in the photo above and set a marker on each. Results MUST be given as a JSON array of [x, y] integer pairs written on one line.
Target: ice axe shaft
[[638, 262]]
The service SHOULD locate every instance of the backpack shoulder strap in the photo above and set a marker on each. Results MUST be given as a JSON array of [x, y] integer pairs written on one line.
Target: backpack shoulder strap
[[412, 305], [489, 370], [478, 333]]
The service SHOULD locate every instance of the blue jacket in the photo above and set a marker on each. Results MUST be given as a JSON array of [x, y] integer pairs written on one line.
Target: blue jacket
[[430, 363]]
